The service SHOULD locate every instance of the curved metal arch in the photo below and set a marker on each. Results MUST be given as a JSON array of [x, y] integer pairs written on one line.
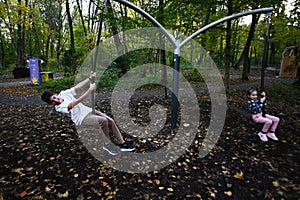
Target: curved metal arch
[[150, 18], [213, 24], [234, 16]]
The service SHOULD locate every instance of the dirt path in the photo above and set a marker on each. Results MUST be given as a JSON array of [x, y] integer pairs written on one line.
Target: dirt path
[[11, 95]]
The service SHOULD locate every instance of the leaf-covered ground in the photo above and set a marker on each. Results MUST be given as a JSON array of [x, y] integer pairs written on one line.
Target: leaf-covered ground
[[42, 157]]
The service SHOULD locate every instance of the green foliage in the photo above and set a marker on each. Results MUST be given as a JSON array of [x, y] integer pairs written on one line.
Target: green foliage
[[6, 69], [42, 23], [109, 79], [288, 93], [192, 75], [57, 85], [71, 60], [52, 64]]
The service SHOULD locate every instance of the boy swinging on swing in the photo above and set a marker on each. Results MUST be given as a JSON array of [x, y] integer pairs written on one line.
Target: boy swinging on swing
[[66, 103]]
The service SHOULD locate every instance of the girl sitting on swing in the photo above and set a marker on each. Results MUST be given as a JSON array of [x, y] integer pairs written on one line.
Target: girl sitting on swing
[[270, 122]]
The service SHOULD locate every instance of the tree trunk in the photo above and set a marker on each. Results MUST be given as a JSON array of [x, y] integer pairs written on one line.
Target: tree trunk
[[245, 54], [11, 30], [162, 51], [20, 46], [47, 49], [272, 53], [114, 27], [235, 42], [58, 51], [93, 10], [124, 15], [228, 54], [70, 25], [81, 18], [72, 48], [122, 62], [2, 56], [59, 37], [272, 46]]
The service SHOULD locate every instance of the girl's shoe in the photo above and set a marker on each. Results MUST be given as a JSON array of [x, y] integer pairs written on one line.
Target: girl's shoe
[[263, 136], [272, 136]]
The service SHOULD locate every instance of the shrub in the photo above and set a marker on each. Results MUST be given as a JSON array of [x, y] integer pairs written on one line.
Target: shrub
[[57, 85], [288, 93]]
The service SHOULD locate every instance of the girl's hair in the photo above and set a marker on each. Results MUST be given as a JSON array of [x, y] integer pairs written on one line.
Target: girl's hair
[[249, 92], [46, 96]]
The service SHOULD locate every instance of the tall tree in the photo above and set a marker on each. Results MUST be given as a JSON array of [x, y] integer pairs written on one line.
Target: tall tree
[[228, 54], [54, 17], [72, 41], [81, 18], [71, 30], [20, 44], [245, 55], [122, 61], [162, 38], [2, 55]]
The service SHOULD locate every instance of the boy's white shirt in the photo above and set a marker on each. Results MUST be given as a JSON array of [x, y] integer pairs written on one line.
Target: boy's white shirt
[[78, 112]]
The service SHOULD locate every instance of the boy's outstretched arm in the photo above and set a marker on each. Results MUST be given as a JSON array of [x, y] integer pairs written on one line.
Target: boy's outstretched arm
[[84, 82], [77, 101]]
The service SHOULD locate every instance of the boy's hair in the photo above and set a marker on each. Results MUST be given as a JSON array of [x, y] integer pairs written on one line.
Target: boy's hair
[[46, 96]]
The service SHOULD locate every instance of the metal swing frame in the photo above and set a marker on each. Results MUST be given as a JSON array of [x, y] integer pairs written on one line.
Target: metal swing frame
[[177, 47]]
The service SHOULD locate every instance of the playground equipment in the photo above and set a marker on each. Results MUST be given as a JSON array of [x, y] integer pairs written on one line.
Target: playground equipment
[[290, 62], [178, 45], [96, 53]]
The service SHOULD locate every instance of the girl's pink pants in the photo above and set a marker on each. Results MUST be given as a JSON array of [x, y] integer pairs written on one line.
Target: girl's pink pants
[[270, 122]]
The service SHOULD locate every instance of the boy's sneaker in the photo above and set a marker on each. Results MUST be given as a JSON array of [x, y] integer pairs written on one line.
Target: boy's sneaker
[[126, 147], [111, 149], [263, 136], [272, 136]]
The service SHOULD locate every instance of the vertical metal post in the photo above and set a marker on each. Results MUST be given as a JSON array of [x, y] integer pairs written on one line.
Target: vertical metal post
[[175, 87], [96, 53]]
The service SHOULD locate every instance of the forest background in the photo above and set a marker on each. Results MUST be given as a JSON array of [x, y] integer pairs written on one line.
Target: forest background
[[45, 159], [63, 32]]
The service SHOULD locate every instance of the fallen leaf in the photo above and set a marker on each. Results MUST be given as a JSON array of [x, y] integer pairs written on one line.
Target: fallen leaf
[[47, 189], [19, 170], [228, 193], [104, 183], [66, 194], [186, 125], [23, 194], [275, 183], [238, 175], [85, 181]]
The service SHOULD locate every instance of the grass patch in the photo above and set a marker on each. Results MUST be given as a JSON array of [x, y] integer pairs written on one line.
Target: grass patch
[[283, 92]]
